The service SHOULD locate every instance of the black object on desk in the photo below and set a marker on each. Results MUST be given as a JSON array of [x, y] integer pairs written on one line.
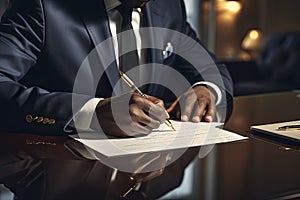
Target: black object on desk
[[286, 131]]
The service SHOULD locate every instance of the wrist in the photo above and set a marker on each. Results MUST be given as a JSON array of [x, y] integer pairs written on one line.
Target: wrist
[[214, 89]]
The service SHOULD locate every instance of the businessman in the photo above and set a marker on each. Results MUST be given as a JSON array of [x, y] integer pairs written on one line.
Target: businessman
[[45, 43], [60, 63]]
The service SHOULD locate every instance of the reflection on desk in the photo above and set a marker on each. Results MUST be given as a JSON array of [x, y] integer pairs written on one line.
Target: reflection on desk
[[34, 167]]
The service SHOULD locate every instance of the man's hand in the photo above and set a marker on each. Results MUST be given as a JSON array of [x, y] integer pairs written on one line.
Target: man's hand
[[130, 115], [197, 104]]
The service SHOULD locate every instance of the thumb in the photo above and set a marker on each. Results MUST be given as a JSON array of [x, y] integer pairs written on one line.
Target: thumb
[[172, 107]]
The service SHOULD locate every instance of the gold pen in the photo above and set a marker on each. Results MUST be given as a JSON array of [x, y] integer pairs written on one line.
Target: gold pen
[[131, 187], [130, 83]]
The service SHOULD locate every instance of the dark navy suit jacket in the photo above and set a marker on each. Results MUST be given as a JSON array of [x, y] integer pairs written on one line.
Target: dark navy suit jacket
[[43, 43]]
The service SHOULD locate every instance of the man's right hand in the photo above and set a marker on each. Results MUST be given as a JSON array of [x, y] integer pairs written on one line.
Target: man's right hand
[[130, 115]]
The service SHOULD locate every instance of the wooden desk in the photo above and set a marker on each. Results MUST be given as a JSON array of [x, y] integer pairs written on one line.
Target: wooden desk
[[252, 169], [258, 168]]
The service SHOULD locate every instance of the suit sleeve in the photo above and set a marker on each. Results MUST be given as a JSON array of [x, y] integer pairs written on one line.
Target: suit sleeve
[[200, 64], [29, 109]]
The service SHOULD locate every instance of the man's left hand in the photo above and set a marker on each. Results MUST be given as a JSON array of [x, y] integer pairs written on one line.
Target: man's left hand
[[197, 104]]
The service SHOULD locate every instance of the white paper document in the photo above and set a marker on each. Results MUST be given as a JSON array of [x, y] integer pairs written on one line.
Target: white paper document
[[187, 134]]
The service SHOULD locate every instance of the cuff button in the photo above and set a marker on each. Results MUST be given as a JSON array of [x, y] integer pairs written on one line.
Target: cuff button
[[29, 118]]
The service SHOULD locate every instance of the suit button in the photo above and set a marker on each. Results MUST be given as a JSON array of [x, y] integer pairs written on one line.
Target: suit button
[[29, 118], [52, 121], [40, 119], [46, 120]]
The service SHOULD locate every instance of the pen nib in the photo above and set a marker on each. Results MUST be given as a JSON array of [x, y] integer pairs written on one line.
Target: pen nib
[[170, 124]]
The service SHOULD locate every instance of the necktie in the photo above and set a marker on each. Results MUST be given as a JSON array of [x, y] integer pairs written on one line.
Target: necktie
[[126, 40]]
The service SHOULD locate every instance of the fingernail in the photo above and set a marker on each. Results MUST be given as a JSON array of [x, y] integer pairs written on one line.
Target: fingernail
[[209, 118], [196, 119], [167, 115], [184, 118]]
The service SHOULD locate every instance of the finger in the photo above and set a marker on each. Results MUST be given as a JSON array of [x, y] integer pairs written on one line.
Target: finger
[[173, 106], [150, 122], [210, 113], [156, 101], [199, 111], [138, 115], [139, 110], [154, 111], [174, 110], [188, 106], [131, 126], [160, 103]]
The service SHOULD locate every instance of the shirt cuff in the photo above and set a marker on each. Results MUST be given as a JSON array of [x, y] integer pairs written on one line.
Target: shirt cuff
[[213, 86], [83, 119]]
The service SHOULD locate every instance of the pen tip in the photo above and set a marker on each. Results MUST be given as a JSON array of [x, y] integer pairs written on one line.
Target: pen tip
[[170, 125], [173, 128]]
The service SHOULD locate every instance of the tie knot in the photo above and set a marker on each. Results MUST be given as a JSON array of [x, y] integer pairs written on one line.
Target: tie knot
[[126, 13]]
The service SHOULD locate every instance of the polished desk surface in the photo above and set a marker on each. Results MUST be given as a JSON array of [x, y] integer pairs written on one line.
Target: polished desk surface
[[257, 168]]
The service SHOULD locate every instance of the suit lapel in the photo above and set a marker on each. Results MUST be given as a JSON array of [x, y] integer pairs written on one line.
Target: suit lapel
[[97, 25], [154, 18]]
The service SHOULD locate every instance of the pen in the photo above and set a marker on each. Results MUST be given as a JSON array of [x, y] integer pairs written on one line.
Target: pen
[[296, 126], [131, 187], [130, 83]]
